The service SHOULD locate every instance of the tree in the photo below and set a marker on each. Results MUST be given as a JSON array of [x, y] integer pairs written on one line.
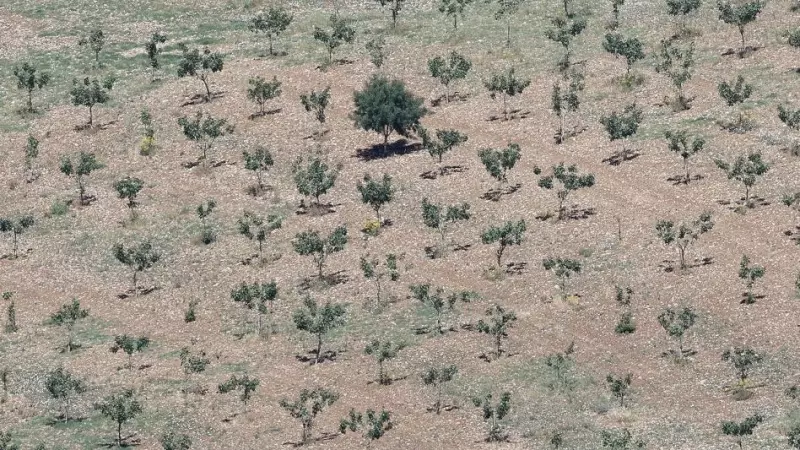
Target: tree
[[679, 142], [628, 48], [622, 125], [67, 316], [246, 384], [794, 437], [746, 170], [560, 364], [499, 162], [619, 386], [506, 9], [316, 178], [61, 385], [749, 274], [510, 233], [175, 441], [374, 425], [570, 180], [743, 360], [5, 441], [31, 153], [383, 351], [90, 93], [676, 62], [340, 32], [203, 211], [563, 268], [203, 131], [256, 296], [453, 8], [120, 408], [11, 322], [684, 234], [506, 84], [394, 7], [255, 227], [306, 408], [261, 91], [740, 429], [445, 141], [95, 41], [676, 322], [564, 30], [128, 188], [272, 23], [29, 80], [436, 376], [439, 216], [376, 48], [733, 94], [138, 258], [371, 268], [565, 99], [681, 10], [789, 117], [615, 5], [319, 320], [316, 102], [376, 193], [83, 166], [740, 15], [493, 414], [454, 66], [130, 345], [620, 440], [199, 65], [259, 162], [497, 324], [385, 106], [311, 243], [193, 363], [153, 50], [16, 226], [148, 142]]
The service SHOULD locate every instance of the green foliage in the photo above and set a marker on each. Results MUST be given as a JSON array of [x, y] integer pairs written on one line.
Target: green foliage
[[619, 386], [448, 69], [676, 322], [506, 9], [684, 234], [560, 365], [31, 151], [255, 227], [259, 162], [679, 142], [191, 313], [506, 83], [499, 162], [626, 324], [376, 193], [59, 208], [138, 258], [510, 233], [622, 125], [315, 178], [130, 345], [128, 188], [261, 91], [493, 414], [734, 93], [5, 441], [11, 318], [203, 131], [563, 32], [311, 243], [67, 316], [793, 436], [316, 102], [148, 141], [740, 14], [436, 376], [570, 180], [204, 210], [175, 441], [446, 140], [372, 270], [256, 296], [340, 33], [373, 425], [383, 351], [90, 93], [682, 7], [746, 170], [623, 296], [61, 385], [246, 384], [95, 41], [384, 106], [750, 274], [620, 440], [319, 320], [434, 299], [676, 62], [438, 216], [743, 360], [394, 7], [453, 8], [29, 80], [193, 363], [794, 38], [497, 324], [565, 99], [272, 23], [306, 408], [120, 408], [629, 48], [85, 164], [376, 48], [16, 226], [790, 117], [615, 5], [740, 429], [563, 268], [153, 50], [193, 63]]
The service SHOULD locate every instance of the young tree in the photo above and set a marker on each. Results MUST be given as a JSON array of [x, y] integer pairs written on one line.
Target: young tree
[[316, 178], [746, 170], [130, 345], [506, 9], [31, 153], [29, 80], [678, 142], [319, 320], [743, 360], [199, 65], [499, 162], [383, 351], [371, 268], [193, 363], [204, 210], [16, 226], [676, 322], [153, 50], [373, 424], [138, 258], [376, 48], [749, 274], [676, 62], [684, 234], [61, 385], [311, 243], [740, 15], [445, 141], [376, 193], [90, 93], [316, 102], [306, 408], [67, 316], [497, 324], [175, 441], [261, 91], [5, 441], [385, 106], [615, 5], [681, 9], [11, 316], [563, 268], [453, 8], [148, 143], [454, 66], [439, 216], [560, 365], [85, 164], [733, 94], [203, 131], [95, 41], [120, 408], [506, 84], [256, 296], [793, 436], [340, 33], [563, 32], [272, 23], [620, 440], [394, 7], [435, 377], [570, 181], [246, 384], [622, 125], [510, 233], [254, 227], [493, 414], [565, 99], [740, 429], [128, 188], [259, 162], [619, 386], [629, 48], [789, 117]]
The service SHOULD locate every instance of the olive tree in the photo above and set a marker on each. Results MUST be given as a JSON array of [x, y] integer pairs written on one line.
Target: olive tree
[[789, 117], [311, 243], [95, 41], [454, 9], [314, 178], [121, 408], [29, 80], [746, 170], [310, 403], [436, 377], [676, 322], [319, 320], [16, 226], [439, 216], [565, 99], [152, 50], [385, 106], [563, 269], [683, 234], [256, 296], [394, 8], [272, 23], [506, 84], [569, 180], [373, 269], [199, 65], [373, 424], [750, 274], [493, 414], [619, 386], [743, 360], [434, 299], [681, 9], [383, 351], [736, 93], [676, 62], [629, 48], [740, 15], [261, 91], [564, 31], [740, 429], [67, 316], [245, 384], [621, 126], [129, 345], [376, 193], [90, 93], [258, 162], [255, 227], [138, 258], [203, 130], [62, 386], [454, 66], [498, 322], [83, 165], [680, 142], [128, 188], [340, 33], [444, 142], [316, 102], [510, 233], [499, 162], [507, 9]]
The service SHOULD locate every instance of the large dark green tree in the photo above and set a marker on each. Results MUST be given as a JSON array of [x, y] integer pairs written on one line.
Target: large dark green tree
[[385, 106], [510, 233]]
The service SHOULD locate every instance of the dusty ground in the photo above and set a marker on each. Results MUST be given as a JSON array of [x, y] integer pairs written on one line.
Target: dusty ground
[[672, 406]]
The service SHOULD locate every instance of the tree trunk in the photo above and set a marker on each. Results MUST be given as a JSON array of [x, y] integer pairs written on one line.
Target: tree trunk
[[306, 432], [381, 376], [135, 289], [14, 234], [499, 255], [686, 168], [319, 348], [741, 32], [90, 115], [394, 18], [508, 32], [682, 251], [119, 433], [30, 100], [270, 45], [386, 133], [498, 342], [208, 90], [330, 55], [747, 195], [561, 130], [455, 21], [505, 109]]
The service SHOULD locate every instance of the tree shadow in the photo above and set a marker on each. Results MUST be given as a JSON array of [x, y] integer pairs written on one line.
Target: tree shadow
[[669, 265], [677, 354], [576, 213], [271, 112], [21, 254], [681, 179], [494, 356], [93, 128], [59, 420], [316, 209], [211, 164], [746, 300], [516, 268], [336, 62], [741, 53], [387, 382], [396, 148], [199, 99], [794, 235], [568, 134], [140, 291], [515, 114], [445, 408], [740, 204], [496, 194], [454, 97], [327, 280], [127, 441], [621, 156], [443, 171], [311, 357], [325, 436], [317, 134]]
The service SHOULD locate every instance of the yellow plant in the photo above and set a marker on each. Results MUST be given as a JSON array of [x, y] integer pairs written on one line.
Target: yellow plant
[[147, 145], [372, 227]]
